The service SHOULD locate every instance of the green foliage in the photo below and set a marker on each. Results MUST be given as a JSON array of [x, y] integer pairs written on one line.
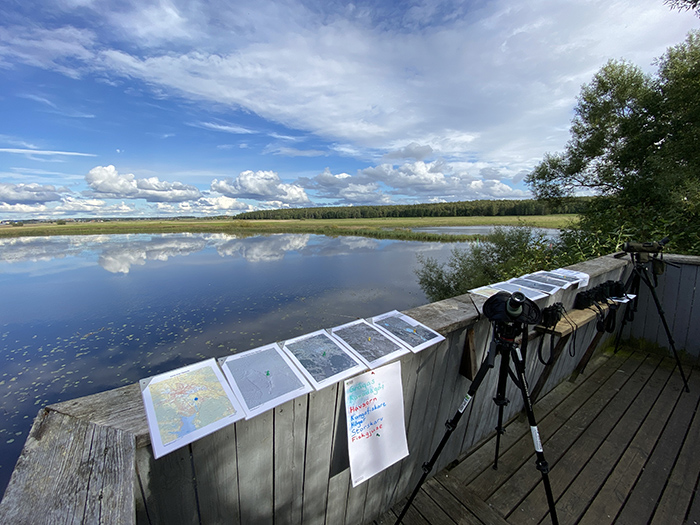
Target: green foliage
[[634, 143], [482, 208], [507, 253]]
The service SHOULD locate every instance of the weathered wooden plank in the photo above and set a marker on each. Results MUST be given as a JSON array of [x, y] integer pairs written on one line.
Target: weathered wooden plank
[[639, 507], [255, 450], [432, 424], [431, 511], [454, 387], [72, 470], [416, 422], [111, 457], [120, 408], [168, 486], [578, 410], [556, 352], [591, 478], [679, 491], [290, 442], [339, 483], [480, 458], [216, 471], [409, 378], [613, 494], [319, 445], [683, 311], [568, 448], [476, 422], [463, 512], [337, 498], [354, 510]]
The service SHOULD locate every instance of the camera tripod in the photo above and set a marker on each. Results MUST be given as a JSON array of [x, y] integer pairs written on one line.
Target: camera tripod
[[504, 345], [640, 274]]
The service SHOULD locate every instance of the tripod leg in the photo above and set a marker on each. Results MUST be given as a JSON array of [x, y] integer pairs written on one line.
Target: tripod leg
[[451, 425], [659, 309], [501, 401], [541, 463], [630, 309]]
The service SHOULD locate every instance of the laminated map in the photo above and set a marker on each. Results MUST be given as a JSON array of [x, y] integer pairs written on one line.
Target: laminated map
[[186, 404], [263, 378]]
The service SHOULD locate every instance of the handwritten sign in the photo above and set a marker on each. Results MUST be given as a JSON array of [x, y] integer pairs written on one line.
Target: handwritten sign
[[376, 429]]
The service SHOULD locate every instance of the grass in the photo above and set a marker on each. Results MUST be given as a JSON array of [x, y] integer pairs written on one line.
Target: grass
[[386, 227]]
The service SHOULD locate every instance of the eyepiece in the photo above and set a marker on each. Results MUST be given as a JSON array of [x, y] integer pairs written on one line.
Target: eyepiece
[[514, 306]]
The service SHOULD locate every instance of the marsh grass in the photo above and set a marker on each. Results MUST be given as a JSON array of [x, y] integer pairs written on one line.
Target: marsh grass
[[379, 228]]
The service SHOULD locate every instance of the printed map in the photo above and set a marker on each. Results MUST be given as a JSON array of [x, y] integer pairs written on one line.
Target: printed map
[[412, 335], [188, 402], [263, 376], [321, 357], [367, 341]]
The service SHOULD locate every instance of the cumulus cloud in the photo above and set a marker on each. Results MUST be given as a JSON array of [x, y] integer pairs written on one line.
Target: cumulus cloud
[[260, 185], [28, 193], [106, 182], [410, 151], [205, 206], [417, 181]]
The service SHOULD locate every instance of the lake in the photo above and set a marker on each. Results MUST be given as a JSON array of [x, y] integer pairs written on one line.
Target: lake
[[83, 314]]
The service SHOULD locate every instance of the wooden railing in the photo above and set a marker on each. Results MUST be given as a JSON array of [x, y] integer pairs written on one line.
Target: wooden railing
[[678, 292], [89, 460]]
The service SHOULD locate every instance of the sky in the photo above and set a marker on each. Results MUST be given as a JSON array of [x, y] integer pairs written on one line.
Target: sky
[[142, 108]]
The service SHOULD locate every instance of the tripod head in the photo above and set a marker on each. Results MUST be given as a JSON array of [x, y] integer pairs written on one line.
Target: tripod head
[[643, 252], [509, 312]]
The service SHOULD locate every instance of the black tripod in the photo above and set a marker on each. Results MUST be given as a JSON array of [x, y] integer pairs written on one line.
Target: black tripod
[[640, 274], [509, 315]]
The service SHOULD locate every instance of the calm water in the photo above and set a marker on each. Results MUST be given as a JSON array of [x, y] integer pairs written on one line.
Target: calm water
[[551, 233], [84, 314]]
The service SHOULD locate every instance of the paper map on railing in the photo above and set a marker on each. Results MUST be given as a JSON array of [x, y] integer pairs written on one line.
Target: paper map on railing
[[370, 344], [376, 429], [410, 332], [186, 404], [263, 378], [322, 359]]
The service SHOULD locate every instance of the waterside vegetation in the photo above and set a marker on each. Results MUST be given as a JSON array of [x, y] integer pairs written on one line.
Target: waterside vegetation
[[381, 228]]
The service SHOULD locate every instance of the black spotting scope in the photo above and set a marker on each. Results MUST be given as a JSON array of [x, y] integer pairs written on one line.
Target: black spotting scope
[[645, 247]]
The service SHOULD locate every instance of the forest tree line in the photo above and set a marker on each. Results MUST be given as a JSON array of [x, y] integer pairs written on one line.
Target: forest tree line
[[481, 208]]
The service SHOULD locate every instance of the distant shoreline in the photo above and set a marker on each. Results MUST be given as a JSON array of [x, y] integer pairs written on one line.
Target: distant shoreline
[[381, 228]]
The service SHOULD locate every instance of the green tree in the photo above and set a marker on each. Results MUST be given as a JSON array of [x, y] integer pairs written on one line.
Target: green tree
[[633, 144], [506, 253]]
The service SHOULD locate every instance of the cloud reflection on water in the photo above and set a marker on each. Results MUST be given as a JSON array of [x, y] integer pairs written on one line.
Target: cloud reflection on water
[[119, 253]]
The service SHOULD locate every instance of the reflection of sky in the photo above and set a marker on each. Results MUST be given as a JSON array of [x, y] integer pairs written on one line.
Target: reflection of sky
[[551, 233], [69, 328]]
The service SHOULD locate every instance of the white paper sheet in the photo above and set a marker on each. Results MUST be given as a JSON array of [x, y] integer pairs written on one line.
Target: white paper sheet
[[376, 428], [322, 359], [186, 404], [373, 346], [407, 330], [263, 378]]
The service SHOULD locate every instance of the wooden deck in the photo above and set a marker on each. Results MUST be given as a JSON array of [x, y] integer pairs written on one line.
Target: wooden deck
[[622, 442]]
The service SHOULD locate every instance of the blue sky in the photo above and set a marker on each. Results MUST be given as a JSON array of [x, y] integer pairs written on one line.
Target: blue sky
[[167, 107]]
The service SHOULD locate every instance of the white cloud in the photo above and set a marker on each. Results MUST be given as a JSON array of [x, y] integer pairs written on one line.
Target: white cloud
[[27, 193], [226, 128], [205, 206], [106, 182], [412, 150], [24, 209], [260, 185], [482, 90], [38, 152]]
